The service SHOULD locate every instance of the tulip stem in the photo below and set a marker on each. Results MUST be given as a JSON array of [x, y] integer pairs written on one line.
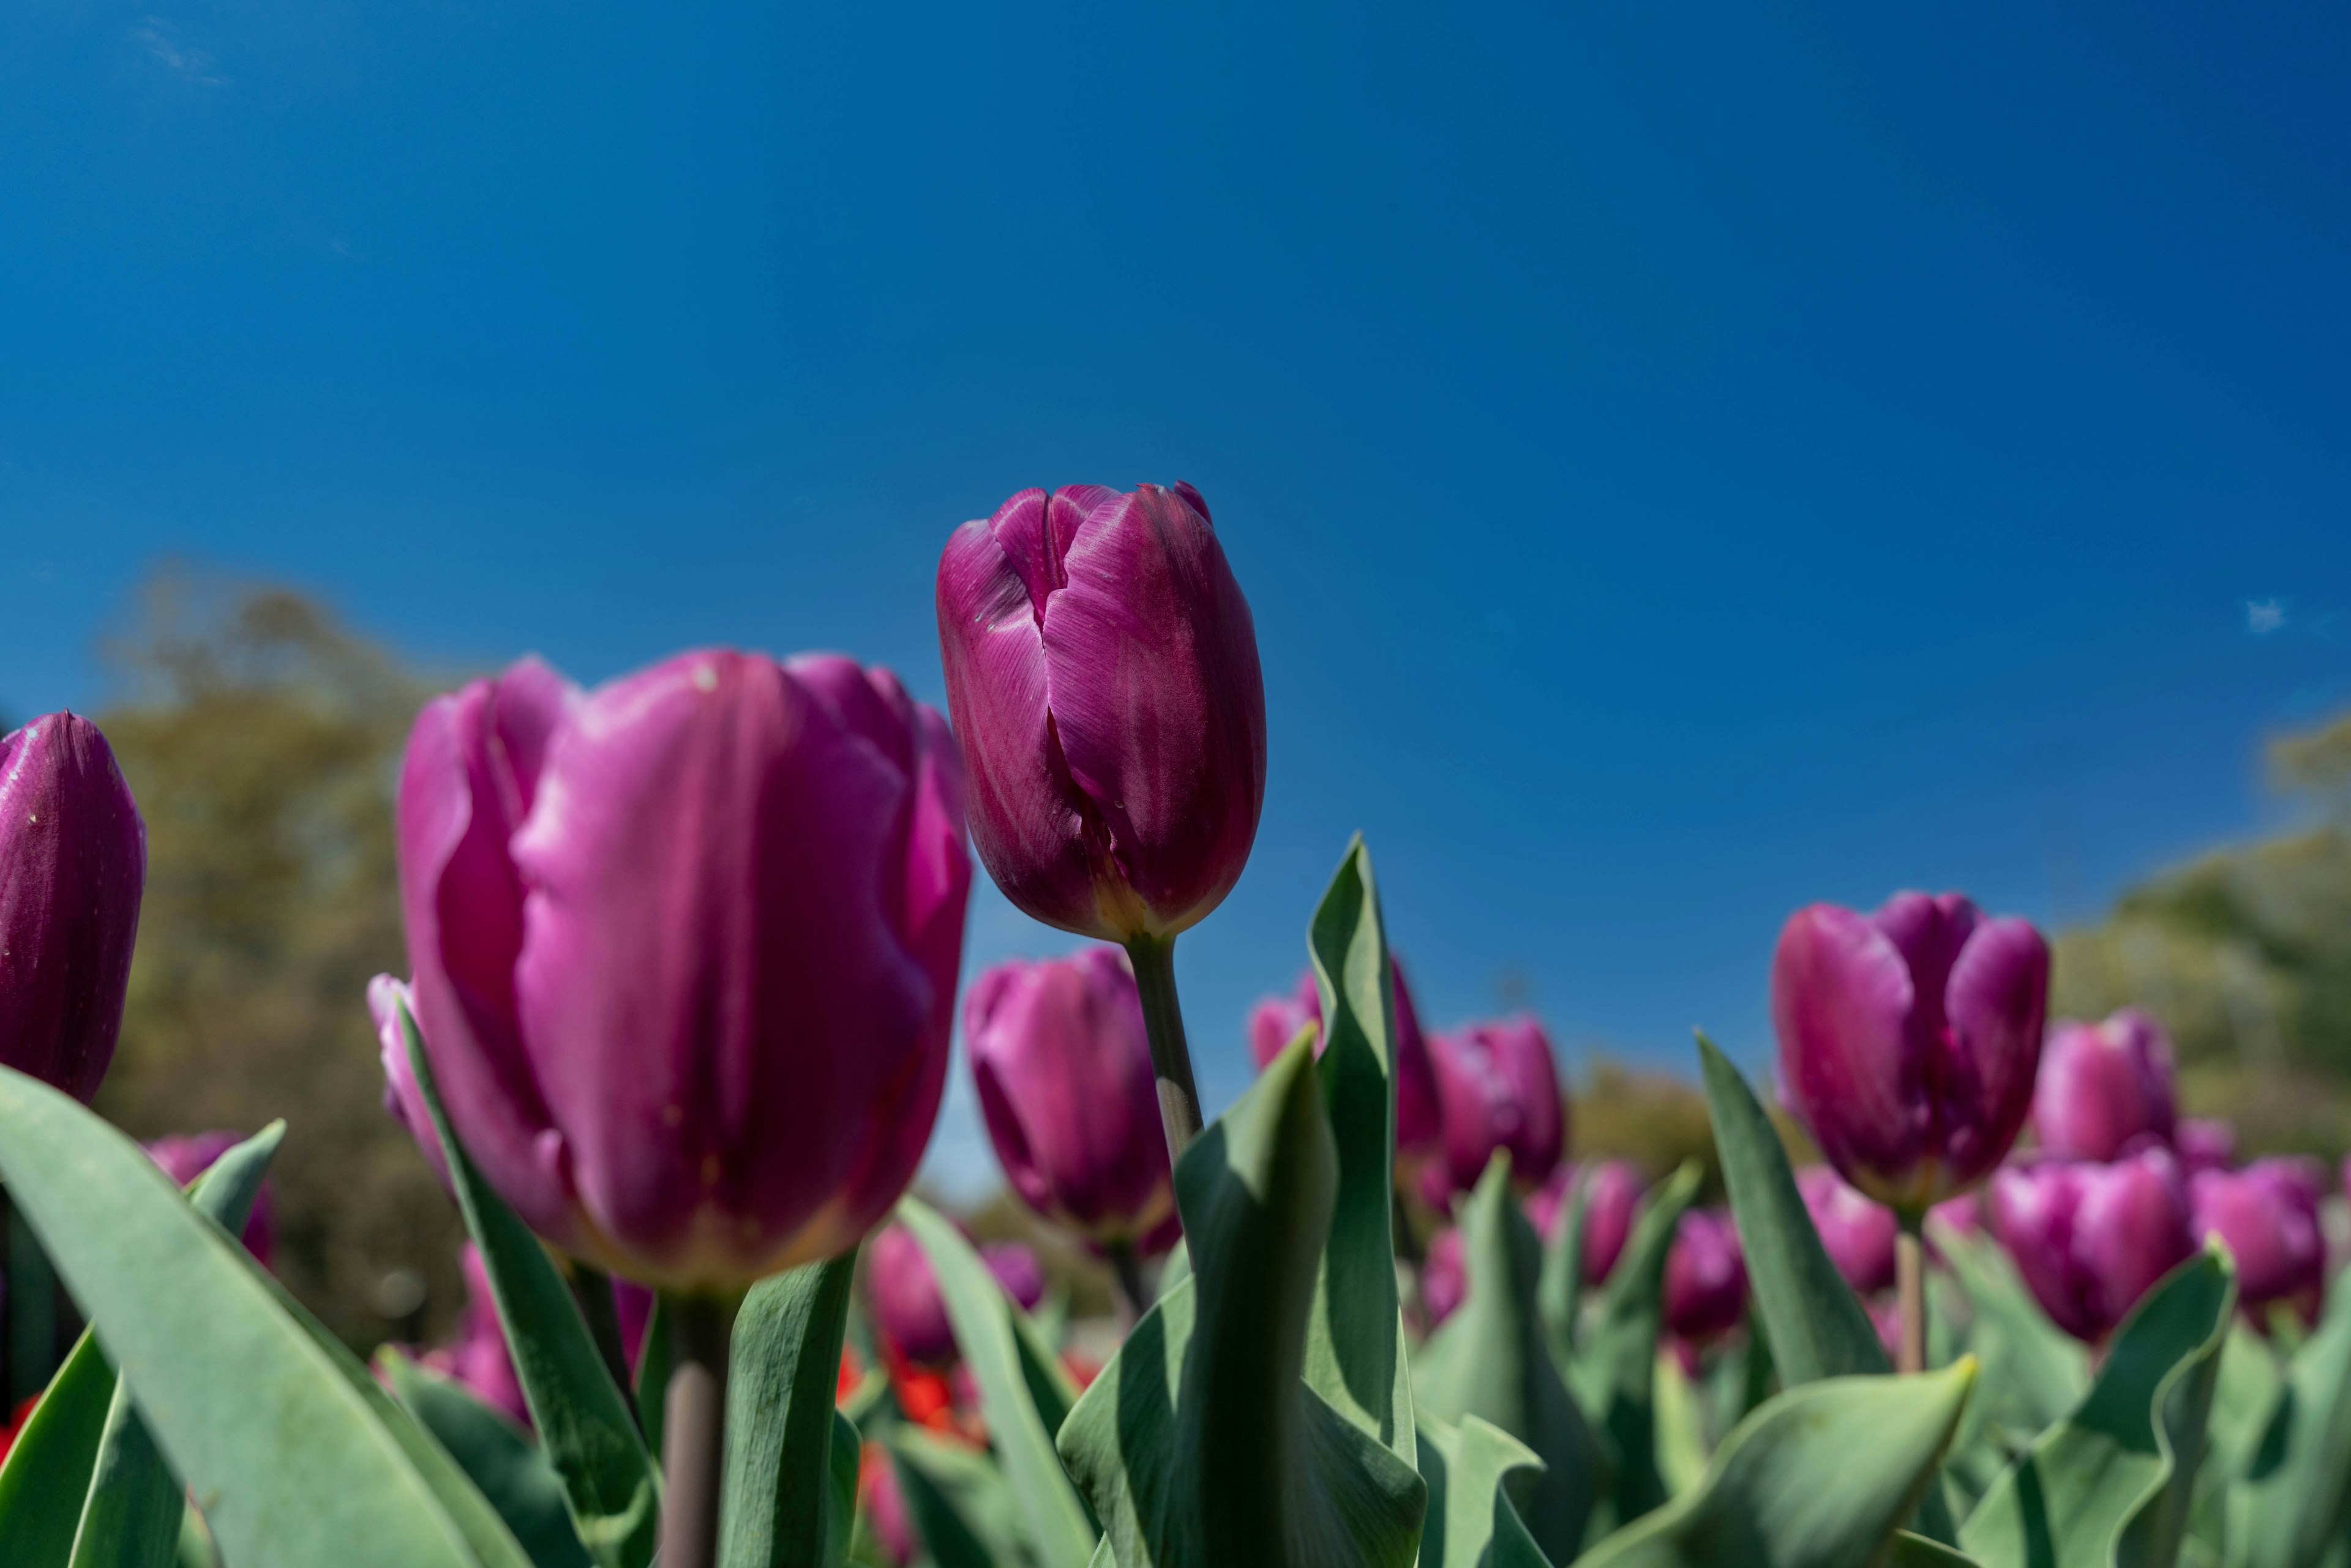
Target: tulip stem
[[694, 1427], [1153, 958], [1910, 1289], [1129, 1269]]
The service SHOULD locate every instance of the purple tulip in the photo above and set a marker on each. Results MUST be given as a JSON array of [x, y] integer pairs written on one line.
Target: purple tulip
[[1612, 1192], [1016, 1267], [1705, 1278], [1103, 671], [2267, 1216], [1275, 1021], [1498, 1088], [478, 1357], [73, 862], [885, 1507], [2103, 1086], [1858, 1233], [685, 952], [2091, 1239], [2206, 1145], [1063, 1071], [907, 1302], [1908, 1039], [185, 1156], [1444, 1276]]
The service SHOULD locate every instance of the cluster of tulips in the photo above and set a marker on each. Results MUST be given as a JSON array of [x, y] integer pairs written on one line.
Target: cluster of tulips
[[684, 959]]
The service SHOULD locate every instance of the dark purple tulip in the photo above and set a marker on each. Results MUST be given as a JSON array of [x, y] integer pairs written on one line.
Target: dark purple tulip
[[1498, 1088], [1275, 1021], [907, 1306], [478, 1357], [1063, 1071], [1444, 1276], [2090, 1240], [73, 862], [1015, 1269], [2104, 1085], [1102, 669], [1705, 1278], [885, 1508], [2267, 1216], [2206, 1145], [1908, 1039], [685, 951], [1612, 1191], [1858, 1233], [185, 1156]]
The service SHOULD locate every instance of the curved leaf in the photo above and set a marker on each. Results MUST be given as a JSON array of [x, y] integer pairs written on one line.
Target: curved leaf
[[1559, 1292], [46, 1475], [1492, 1362], [960, 1503], [2111, 1482], [1471, 1523], [1200, 1445], [584, 1424], [2033, 1371], [2292, 1506], [778, 1504], [1820, 1476], [1909, 1551], [292, 1465], [496, 1456], [1615, 1370]]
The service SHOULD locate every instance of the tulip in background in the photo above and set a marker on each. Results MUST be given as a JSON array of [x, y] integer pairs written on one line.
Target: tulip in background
[[73, 864], [2090, 1238], [478, 1356], [1498, 1088], [2206, 1145], [185, 1156], [1612, 1192], [1063, 1074], [2105, 1087], [1705, 1280], [907, 1305], [1858, 1234], [1275, 1021], [1444, 1277], [2267, 1214], [1102, 669]]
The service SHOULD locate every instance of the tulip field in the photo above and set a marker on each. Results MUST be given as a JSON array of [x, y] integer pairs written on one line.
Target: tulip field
[[686, 963]]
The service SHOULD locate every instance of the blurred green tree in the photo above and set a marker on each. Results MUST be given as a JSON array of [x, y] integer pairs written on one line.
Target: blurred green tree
[[262, 740]]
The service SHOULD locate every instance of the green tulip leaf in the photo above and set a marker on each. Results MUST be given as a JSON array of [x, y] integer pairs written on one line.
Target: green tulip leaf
[[652, 1392], [1003, 1360], [959, 1502], [1559, 1292], [499, 1456], [1615, 1370], [292, 1464], [1820, 1476], [1681, 1425], [2033, 1371], [584, 1422], [1472, 1522], [1491, 1361], [1908, 1551], [1354, 1340], [780, 1508], [1201, 1445], [2112, 1482], [1174, 1270], [2294, 1503]]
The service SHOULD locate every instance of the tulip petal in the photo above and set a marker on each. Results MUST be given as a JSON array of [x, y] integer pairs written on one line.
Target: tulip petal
[[1842, 1000], [1995, 1003]]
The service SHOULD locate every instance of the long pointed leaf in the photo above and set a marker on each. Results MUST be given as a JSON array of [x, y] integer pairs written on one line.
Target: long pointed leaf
[[1559, 1293], [585, 1426], [496, 1456], [1616, 1372], [2293, 1505], [1472, 1522], [778, 1503]]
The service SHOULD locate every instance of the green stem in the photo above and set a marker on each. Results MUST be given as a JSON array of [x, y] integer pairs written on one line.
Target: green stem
[[694, 1428], [1171, 1058], [1910, 1288]]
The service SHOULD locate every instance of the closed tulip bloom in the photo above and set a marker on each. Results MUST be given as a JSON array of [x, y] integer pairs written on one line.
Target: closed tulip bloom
[[1102, 668], [1063, 1071], [2091, 1239], [1016, 1267], [1498, 1088], [2103, 1086], [1275, 1021], [1444, 1276], [2267, 1216], [885, 1507], [1908, 1039], [2206, 1145], [73, 864], [1857, 1234], [685, 952], [1706, 1277], [1612, 1191], [907, 1306], [185, 1156]]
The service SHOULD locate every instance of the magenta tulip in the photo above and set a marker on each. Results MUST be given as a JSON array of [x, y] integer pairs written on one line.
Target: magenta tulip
[[907, 1306], [685, 952], [185, 1156], [2091, 1239], [478, 1357], [1612, 1191], [1063, 1071], [1908, 1039], [885, 1507], [1016, 1267], [2267, 1216], [1102, 668], [1275, 1021], [73, 864], [1705, 1278], [1858, 1233], [2105, 1087], [1444, 1276], [1498, 1088], [2206, 1145]]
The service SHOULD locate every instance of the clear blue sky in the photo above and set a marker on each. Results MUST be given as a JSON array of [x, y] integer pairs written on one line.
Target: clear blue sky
[[1686, 461]]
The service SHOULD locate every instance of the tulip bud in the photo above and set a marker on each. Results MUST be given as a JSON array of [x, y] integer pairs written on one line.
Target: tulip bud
[[1857, 1234], [73, 862], [2206, 1145], [685, 952], [1612, 1191], [1063, 1071], [2091, 1239], [884, 1506], [1908, 1039], [1102, 668], [909, 1306], [2267, 1216], [185, 1156], [2104, 1085], [1706, 1277], [1444, 1276], [1275, 1021], [1016, 1267], [1498, 1088], [478, 1357]]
